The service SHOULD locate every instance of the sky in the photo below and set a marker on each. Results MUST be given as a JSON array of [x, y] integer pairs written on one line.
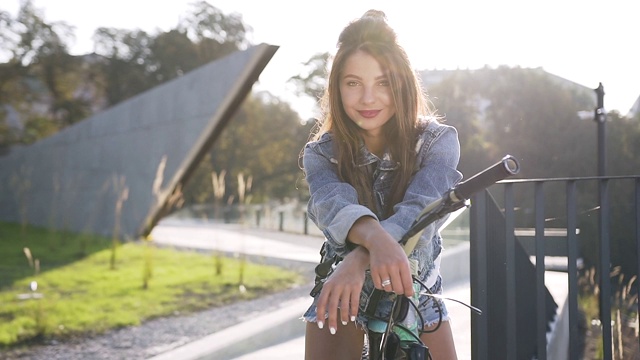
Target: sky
[[587, 41]]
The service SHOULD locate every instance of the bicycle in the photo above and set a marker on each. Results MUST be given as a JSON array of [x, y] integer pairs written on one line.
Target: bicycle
[[398, 336]]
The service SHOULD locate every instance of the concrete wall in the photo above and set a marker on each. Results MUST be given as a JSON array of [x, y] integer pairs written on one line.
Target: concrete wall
[[77, 178]]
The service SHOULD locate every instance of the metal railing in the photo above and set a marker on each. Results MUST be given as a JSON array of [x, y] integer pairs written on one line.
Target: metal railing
[[510, 287]]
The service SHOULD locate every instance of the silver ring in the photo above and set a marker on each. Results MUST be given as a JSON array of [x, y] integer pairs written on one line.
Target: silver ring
[[386, 283]]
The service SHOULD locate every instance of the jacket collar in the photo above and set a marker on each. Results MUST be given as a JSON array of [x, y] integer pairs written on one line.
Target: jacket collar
[[367, 158]]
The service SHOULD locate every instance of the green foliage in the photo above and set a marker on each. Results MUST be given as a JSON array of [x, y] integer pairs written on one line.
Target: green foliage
[[53, 248], [215, 33], [199, 187], [173, 54], [37, 128], [81, 296], [534, 116], [40, 80], [523, 112], [459, 100], [313, 81], [263, 140], [122, 67], [623, 312], [43, 82]]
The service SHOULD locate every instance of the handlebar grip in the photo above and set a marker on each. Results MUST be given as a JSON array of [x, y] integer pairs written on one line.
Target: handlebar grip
[[506, 167]]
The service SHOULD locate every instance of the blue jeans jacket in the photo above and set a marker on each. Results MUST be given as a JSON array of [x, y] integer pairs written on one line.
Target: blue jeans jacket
[[334, 206]]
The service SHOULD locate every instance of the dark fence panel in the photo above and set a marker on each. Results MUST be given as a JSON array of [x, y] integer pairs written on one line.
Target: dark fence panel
[[503, 285], [510, 289]]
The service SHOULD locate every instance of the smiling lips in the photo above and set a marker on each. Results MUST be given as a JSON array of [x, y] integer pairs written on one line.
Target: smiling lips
[[368, 113]]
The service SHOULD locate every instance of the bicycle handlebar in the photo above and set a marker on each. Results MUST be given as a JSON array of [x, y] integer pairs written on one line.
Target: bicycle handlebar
[[508, 166], [456, 197]]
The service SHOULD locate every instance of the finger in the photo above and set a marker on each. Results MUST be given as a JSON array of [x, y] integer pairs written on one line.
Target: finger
[[387, 284], [321, 307], [376, 278], [354, 304], [378, 275], [332, 320], [382, 280], [397, 285], [344, 309], [407, 281]]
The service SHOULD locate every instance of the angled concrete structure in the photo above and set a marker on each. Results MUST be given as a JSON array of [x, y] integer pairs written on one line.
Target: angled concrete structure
[[115, 172]]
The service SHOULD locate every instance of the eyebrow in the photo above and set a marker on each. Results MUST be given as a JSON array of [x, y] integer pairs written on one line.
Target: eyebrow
[[381, 77]]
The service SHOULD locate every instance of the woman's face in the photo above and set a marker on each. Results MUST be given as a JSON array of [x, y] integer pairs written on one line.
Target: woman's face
[[366, 93]]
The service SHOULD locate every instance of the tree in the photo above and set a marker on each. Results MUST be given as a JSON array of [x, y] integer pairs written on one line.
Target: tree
[[623, 161], [172, 55], [460, 103], [38, 81], [534, 118], [124, 64], [263, 140], [313, 81], [37, 38], [135, 61], [12, 89], [43, 49], [523, 112], [214, 33]]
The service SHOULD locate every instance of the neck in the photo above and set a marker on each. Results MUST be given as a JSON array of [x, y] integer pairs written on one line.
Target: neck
[[375, 144]]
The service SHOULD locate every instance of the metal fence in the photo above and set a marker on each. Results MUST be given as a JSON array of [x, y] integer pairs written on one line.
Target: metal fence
[[508, 277]]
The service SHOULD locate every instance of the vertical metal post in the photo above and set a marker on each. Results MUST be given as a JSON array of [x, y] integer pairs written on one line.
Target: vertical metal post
[[638, 233], [541, 310], [605, 269], [572, 270], [600, 117], [306, 223], [281, 222], [510, 255], [478, 276]]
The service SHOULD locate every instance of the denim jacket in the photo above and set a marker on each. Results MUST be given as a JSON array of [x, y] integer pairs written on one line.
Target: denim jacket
[[334, 207]]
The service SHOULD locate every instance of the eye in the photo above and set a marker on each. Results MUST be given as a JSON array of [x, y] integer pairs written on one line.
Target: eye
[[352, 83], [384, 83]]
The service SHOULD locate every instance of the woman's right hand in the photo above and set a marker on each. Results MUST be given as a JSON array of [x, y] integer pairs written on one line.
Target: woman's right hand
[[389, 265], [341, 290]]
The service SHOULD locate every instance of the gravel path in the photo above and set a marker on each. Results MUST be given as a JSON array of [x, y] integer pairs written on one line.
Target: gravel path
[[160, 335]]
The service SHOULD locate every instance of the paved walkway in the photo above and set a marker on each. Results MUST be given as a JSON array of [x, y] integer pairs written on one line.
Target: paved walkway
[[461, 327], [251, 340]]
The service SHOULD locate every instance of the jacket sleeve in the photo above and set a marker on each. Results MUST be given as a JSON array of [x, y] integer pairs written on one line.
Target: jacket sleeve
[[333, 205], [437, 162]]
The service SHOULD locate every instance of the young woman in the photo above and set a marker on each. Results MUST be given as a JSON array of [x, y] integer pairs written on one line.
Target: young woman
[[378, 158]]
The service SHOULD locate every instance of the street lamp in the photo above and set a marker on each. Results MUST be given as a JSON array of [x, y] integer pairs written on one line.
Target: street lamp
[[600, 116]]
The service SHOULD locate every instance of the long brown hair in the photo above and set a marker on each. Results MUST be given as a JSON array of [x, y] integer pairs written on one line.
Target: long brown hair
[[373, 35]]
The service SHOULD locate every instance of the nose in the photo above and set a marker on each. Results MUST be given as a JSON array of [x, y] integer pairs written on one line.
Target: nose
[[368, 95]]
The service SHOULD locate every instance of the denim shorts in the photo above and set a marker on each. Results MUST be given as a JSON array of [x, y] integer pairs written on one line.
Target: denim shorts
[[432, 310]]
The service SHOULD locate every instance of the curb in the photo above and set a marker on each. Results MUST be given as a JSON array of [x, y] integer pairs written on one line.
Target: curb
[[252, 335]]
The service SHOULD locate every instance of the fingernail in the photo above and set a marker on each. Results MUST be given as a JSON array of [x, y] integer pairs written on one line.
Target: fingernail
[[353, 318], [344, 322], [332, 330], [320, 324]]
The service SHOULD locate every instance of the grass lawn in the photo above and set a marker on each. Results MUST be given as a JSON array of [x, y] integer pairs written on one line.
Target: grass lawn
[[81, 293]]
